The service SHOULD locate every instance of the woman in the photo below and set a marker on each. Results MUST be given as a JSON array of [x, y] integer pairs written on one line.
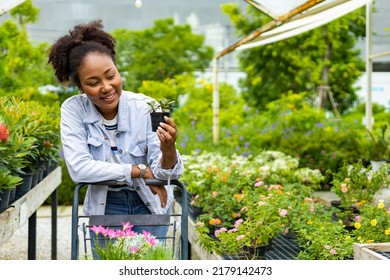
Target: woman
[[106, 133]]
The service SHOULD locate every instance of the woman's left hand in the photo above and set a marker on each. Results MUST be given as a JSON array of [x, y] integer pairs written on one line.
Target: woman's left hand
[[167, 133]]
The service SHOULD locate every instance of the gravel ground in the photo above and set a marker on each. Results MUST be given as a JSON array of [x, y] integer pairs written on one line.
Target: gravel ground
[[16, 248]]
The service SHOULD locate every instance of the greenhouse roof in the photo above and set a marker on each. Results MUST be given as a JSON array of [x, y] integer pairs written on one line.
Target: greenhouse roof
[[292, 18], [6, 5]]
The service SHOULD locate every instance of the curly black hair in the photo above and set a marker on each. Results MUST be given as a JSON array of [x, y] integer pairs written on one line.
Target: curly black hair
[[67, 53]]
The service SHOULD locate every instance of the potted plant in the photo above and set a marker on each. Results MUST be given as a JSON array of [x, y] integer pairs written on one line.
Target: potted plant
[[356, 186], [158, 109], [323, 239], [373, 224], [7, 183]]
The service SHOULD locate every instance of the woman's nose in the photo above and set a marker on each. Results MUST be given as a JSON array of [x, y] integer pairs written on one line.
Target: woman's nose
[[106, 87]]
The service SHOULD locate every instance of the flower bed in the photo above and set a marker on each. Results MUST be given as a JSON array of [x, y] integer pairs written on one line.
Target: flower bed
[[255, 200]]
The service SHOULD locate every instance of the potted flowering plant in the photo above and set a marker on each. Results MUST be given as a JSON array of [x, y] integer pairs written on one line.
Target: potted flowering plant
[[356, 186], [158, 109], [324, 239], [125, 244], [373, 224]]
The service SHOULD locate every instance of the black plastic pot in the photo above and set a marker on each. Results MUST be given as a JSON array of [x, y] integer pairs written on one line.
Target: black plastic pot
[[157, 118]]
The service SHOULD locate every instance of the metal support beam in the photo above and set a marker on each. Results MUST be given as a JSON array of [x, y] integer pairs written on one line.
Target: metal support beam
[[215, 102], [368, 117]]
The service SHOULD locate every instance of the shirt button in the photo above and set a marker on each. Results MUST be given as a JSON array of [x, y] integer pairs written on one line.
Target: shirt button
[[147, 204], [120, 151], [117, 134], [137, 188], [105, 138]]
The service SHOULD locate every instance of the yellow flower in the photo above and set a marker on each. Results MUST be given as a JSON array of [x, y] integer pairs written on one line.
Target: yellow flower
[[387, 231], [381, 205], [373, 222], [357, 225], [309, 222]]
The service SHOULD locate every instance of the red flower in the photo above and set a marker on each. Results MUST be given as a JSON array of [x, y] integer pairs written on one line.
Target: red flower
[[47, 144], [4, 133]]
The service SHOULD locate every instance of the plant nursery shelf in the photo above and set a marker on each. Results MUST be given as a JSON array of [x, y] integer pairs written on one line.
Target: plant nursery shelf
[[19, 213], [372, 251]]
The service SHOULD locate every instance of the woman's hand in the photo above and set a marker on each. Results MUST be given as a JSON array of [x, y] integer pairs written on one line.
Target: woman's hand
[[161, 191], [167, 133]]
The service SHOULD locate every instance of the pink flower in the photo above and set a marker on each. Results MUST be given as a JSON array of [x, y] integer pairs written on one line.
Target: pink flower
[[134, 249], [218, 231], [215, 193], [259, 184], [311, 208], [283, 212], [344, 188], [333, 252], [357, 219], [327, 247], [149, 238], [4, 132], [127, 226], [240, 237], [238, 222]]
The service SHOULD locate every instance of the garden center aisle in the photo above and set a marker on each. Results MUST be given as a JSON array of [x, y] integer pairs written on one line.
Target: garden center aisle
[[16, 247]]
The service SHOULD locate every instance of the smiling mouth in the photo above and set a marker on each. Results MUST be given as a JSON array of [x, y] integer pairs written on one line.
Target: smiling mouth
[[111, 96]]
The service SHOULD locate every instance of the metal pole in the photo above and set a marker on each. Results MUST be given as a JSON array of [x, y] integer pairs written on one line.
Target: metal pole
[[32, 237], [215, 101], [369, 65], [75, 215], [54, 206]]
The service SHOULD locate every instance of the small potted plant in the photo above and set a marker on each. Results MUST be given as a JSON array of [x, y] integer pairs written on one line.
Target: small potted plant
[[159, 109]]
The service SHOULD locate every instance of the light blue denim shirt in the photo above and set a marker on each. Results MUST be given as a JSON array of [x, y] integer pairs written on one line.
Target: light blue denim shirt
[[87, 150]]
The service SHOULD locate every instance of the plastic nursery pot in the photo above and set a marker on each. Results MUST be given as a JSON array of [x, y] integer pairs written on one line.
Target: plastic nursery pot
[[157, 118]]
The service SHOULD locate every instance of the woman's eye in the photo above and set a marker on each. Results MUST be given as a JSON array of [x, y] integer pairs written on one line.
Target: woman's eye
[[111, 77]]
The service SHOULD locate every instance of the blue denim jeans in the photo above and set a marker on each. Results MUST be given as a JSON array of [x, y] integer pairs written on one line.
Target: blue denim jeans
[[126, 202]]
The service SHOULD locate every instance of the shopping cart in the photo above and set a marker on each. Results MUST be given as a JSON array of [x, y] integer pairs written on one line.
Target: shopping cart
[[177, 235]]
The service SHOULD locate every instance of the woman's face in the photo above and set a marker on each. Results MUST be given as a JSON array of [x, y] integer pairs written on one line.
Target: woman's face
[[101, 82]]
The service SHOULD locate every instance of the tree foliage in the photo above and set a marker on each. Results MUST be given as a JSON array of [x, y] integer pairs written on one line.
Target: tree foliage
[[160, 52], [325, 56], [23, 65]]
